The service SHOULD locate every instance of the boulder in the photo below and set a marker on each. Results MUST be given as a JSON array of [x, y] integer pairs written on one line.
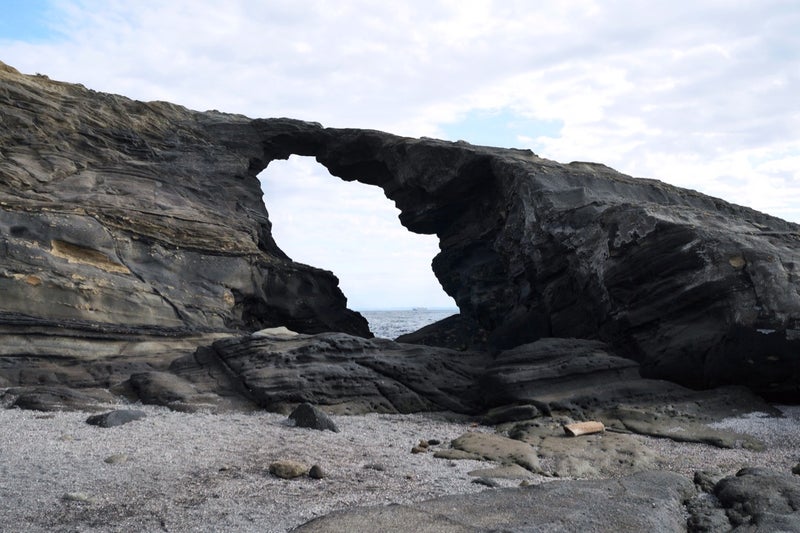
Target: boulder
[[55, 398], [755, 499], [493, 447], [288, 469], [700, 291], [306, 415]]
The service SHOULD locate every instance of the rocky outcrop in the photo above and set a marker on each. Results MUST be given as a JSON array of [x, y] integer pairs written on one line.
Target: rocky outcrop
[[755, 499], [343, 373], [700, 291], [136, 225], [131, 223], [649, 501]]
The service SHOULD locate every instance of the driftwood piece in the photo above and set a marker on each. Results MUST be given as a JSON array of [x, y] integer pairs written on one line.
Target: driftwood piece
[[584, 428]]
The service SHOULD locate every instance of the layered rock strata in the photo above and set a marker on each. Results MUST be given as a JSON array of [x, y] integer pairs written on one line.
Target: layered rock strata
[[700, 291], [146, 219], [130, 228]]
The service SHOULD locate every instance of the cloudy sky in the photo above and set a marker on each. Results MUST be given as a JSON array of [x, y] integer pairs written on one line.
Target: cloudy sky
[[698, 93]]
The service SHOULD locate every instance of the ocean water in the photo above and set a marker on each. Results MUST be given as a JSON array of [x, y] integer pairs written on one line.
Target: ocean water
[[392, 323]]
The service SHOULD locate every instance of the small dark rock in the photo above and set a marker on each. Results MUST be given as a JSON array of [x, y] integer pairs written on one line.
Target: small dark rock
[[418, 449], [486, 481], [316, 472], [796, 469], [308, 416], [115, 418], [434, 442]]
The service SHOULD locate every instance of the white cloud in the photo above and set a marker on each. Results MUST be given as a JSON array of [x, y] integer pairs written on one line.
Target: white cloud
[[351, 228], [697, 93]]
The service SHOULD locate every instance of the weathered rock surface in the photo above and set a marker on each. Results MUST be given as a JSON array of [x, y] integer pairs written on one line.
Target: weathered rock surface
[[135, 224], [700, 291], [648, 501], [54, 398], [288, 469], [494, 448], [346, 374], [585, 380], [306, 415], [755, 500], [115, 418], [138, 230], [590, 456]]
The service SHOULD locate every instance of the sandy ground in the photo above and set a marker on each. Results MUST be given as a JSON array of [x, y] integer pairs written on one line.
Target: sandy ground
[[200, 472]]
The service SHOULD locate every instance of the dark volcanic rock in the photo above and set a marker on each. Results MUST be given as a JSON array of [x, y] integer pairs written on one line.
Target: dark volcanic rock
[[306, 415], [141, 222], [585, 380], [115, 418], [561, 371], [756, 499], [649, 501], [55, 398], [702, 292], [344, 373], [458, 331]]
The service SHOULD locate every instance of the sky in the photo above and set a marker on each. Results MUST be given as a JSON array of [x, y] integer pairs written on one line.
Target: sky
[[700, 93]]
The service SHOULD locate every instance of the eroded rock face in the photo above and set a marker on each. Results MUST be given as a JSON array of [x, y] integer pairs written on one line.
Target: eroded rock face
[[344, 373], [142, 221], [648, 501], [147, 216], [700, 291]]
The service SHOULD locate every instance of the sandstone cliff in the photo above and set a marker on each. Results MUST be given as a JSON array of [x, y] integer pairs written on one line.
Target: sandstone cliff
[[123, 222]]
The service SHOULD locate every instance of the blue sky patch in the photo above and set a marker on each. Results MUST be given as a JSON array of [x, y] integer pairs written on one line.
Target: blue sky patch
[[500, 128], [25, 20]]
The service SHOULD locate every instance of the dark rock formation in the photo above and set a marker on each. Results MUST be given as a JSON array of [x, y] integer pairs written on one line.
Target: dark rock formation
[[125, 223], [526, 387], [649, 501], [346, 374], [458, 331], [306, 415], [115, 418], [755, 499], [700, 291], [135, 227], [585, 380], [54, 398]]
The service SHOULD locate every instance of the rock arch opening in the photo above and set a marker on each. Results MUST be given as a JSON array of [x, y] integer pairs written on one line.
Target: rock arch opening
[[353, 230]]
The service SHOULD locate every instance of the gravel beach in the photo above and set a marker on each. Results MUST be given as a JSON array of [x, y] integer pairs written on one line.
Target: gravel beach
[[198, 472]]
